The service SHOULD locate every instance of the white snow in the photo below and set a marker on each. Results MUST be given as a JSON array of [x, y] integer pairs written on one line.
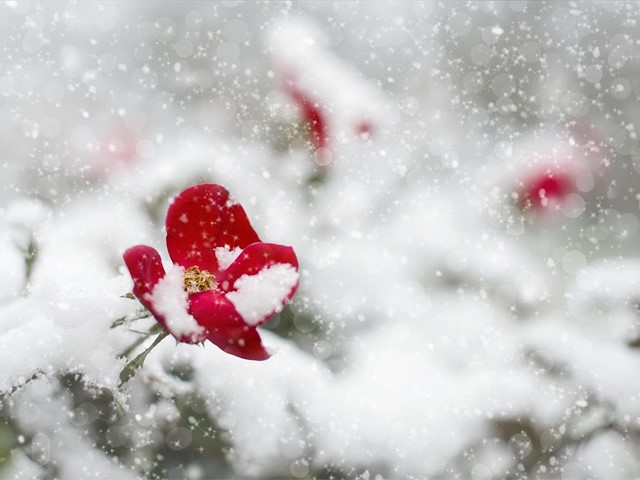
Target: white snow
[[256, 296], [12, 260], [226, 256], [47, 414], [431, 309], [171, 300]]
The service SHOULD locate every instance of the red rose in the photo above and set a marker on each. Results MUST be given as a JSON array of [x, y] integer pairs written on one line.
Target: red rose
[[224, 281]]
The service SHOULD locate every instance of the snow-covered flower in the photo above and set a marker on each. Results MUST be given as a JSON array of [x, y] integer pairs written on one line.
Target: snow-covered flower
[[224, 281], [334, 101]]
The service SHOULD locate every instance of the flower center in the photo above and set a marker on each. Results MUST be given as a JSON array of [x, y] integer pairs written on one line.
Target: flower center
[[196, 280]]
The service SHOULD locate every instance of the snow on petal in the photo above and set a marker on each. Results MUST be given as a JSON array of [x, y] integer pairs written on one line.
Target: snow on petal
[[170, 300], [226, 256], [258, 296]]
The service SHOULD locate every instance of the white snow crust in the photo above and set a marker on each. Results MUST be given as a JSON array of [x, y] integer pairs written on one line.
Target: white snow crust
[[171, 300], [256, 296], [436, 326], [226, 256]]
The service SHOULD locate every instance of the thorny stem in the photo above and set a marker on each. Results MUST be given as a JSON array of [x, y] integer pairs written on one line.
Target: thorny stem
[[130, 369]]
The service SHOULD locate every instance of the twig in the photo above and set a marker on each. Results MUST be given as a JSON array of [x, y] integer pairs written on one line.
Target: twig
[[139, 315]]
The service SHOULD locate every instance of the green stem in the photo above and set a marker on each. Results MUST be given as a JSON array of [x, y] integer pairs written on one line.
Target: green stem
[[130, 368], [157, 328], [30, 253]]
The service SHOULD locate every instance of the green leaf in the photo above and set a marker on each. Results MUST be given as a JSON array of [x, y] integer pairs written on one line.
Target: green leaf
[[130, 368]]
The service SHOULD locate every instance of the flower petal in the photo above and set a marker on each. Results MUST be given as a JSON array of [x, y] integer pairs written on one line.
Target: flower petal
[[145, 266], [313, 117], [260, 281], [254, 258], [249, 346], [202, 218], [215, 313], [225, 327]]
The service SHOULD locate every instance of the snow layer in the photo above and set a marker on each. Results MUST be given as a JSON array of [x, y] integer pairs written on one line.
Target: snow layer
[[257, 296], [226, 256], [437, 331], [47, 416], [170, 300]]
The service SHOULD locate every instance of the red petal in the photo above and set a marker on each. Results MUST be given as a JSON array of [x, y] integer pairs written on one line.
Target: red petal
[[253, 259], [145, 266], [202, 218], [214, 312], [313, 117], [249, 346], [225, 327]]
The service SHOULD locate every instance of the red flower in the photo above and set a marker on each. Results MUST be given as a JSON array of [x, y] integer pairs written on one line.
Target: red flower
[[224, 281], [312, 116], [542, 187]]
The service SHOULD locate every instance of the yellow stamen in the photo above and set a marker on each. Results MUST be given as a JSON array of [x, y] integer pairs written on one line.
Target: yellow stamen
[[196, 280]]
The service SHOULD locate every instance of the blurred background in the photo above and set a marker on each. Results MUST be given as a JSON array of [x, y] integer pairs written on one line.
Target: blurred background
[[458, 180]]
